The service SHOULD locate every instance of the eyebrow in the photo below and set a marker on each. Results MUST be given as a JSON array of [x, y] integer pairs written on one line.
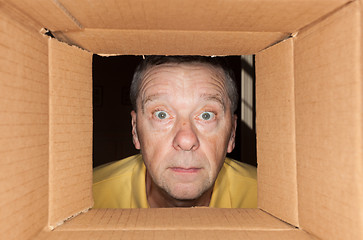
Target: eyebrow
[[149, 99], [205, 96], [215, 98]]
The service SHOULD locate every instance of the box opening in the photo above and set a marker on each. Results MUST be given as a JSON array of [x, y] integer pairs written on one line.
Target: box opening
[[112, 78]]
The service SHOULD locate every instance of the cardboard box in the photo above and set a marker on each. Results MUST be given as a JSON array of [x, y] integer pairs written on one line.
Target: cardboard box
[[309, 114]]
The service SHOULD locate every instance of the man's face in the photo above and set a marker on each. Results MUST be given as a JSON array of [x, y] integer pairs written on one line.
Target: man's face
[[184, 127]]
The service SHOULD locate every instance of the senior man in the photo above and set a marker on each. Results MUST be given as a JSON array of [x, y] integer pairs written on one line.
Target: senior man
[[184, 124]]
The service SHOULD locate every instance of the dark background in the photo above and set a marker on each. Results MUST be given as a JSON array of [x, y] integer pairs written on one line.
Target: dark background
[[112, 139]]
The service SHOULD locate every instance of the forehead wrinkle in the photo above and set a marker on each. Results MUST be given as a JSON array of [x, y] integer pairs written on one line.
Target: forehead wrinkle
[[216, 80], [221, 92], [145, 84]]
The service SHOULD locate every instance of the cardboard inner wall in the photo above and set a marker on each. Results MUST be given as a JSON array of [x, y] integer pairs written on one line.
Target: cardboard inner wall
[[175, 234], [188, 27], [23, 128], [203, 15], [170, 42], [70, 131], [275, 121], [47, 13], [175, 219], [178, 27], [328, 91]]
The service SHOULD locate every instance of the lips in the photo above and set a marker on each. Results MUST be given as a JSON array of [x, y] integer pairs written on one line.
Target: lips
[[185, 170]]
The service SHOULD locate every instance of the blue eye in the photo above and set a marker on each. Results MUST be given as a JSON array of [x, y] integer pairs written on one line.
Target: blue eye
[[207, 116], [161, 115]]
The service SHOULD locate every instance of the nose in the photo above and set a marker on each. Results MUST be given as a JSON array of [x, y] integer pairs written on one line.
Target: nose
[[185, 139]]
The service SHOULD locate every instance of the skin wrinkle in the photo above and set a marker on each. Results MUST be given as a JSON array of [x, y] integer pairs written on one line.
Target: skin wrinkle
[[216, 75], [184, 140]]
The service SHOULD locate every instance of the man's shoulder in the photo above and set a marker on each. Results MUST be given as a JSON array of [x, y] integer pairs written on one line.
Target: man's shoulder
[[116, 170], [236, 186], [120, 184], [242, 186], [240, 170]]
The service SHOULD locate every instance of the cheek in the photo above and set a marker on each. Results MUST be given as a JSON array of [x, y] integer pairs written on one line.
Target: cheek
[[216, 137], [153, 141], [215, 146]]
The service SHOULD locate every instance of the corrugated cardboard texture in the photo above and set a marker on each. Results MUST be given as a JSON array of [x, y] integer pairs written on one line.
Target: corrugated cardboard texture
[[221, 28], [179, 27], [174, 218], [329, 113], [147, 42], [15, 14], [70, 131], [23, 129], [175, 235], [275, 120], [48, 13], [328, 60], [202, 15]]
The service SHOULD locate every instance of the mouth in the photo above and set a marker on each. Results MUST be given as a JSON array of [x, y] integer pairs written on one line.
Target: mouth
[[185, 170]]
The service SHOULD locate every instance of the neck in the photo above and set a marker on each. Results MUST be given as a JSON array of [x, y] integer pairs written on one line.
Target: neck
[[158, 198]]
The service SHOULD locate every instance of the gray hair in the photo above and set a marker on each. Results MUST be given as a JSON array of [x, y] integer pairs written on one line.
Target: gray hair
[[216, 62]]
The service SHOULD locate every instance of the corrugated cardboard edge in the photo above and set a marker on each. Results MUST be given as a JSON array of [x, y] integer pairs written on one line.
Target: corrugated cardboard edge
[[54, 226], [62, 37]]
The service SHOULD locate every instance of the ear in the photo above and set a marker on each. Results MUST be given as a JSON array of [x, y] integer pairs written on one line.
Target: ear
[[231, 142], [135, 137]]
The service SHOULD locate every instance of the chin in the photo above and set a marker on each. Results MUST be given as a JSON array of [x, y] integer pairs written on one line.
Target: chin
[[186, 193]]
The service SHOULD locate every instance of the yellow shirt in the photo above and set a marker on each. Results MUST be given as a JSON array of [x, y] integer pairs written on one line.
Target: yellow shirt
[[121, 184]]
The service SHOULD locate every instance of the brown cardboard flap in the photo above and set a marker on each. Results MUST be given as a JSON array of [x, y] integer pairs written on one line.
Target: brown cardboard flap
[[23, 129], [176, 234], [328, 64], [179, 27], [202, 15], [70, 131], [48, 13], [148, 42], [174, 218], [275, 120]]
